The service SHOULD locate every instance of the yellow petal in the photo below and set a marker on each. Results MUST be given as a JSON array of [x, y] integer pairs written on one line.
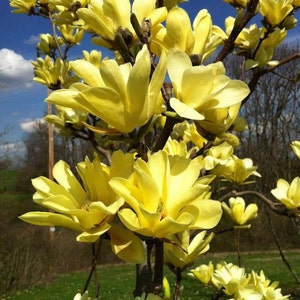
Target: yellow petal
[[50, 219], [127, 245], [184, 110], [92, 235], [87, 71]]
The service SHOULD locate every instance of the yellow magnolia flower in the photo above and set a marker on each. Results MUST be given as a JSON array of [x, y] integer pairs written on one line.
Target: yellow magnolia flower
[[122, 96], [47, 43], [199, 89], [188, 133], [173, 147], [203, 273], [166, 197], [188, 250], [71, 34], [236, 170], [249, 36], [67, 119], [238, 212], [107, 18], [199, 42], [288, 194], [218, 155], [94, 57], [275, 11], [85, 209], [52, 74], [23, 6], [296, 148], [266, 49], [230, 278], [89, 208], [268, 290]]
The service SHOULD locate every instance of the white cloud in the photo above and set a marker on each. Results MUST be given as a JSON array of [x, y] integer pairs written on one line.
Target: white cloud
[[15, 70], [30, 125], [32, 40]]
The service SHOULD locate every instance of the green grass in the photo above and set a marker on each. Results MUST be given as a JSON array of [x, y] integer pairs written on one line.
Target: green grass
[[8, 180], [117, 282]]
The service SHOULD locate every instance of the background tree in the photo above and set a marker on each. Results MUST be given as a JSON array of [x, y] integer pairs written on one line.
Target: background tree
[[34, 161]]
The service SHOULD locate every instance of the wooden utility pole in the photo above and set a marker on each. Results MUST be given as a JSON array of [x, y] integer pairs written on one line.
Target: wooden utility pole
[[50, 161]]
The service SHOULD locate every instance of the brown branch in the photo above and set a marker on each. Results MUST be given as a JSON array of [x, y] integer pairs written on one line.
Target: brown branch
[[256, 75], [250, 12], [62, 56], [283, 61], [267, 201]]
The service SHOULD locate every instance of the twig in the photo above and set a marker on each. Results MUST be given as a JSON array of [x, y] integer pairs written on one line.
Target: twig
[[250, 12], [93, 269]]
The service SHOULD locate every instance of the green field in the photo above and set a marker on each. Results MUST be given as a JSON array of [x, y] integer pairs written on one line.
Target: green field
[[117, 282]]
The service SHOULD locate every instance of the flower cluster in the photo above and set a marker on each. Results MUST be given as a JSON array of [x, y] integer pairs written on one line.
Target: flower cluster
[[161, 113], [235, 282]]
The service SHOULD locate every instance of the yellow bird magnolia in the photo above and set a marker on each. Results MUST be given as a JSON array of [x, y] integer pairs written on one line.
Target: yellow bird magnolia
[[186, 250], [288, 194], [47, 43], [53, 74], [238, 212], [199, 42], [22, 6], [122, 96], [107, 18], [66, 119], [275, 11], [165, 197], [203, 273], [248, 38], [236, 170], [199, 89], [230, 278], [90, 207]]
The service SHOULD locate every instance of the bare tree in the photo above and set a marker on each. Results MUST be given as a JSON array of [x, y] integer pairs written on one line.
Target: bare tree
[[35, 159]]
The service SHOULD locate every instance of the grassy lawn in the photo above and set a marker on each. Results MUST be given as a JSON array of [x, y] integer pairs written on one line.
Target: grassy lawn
[[117, 282]]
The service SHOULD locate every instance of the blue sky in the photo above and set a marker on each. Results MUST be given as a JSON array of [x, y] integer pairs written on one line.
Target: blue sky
[[21, 99]]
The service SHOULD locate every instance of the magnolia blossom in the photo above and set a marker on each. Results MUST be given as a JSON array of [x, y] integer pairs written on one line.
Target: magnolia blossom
[[67, 119], [248, 37], [89, 208], [108, 18], [230, 278], [122, 96], [288, 194], [275, 11], [164, 196], [22, 6], [238, 284], [238, 212], [236, 170], [200, 89], [186, 250], [203, 273], [53, 74], [199, 41]]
